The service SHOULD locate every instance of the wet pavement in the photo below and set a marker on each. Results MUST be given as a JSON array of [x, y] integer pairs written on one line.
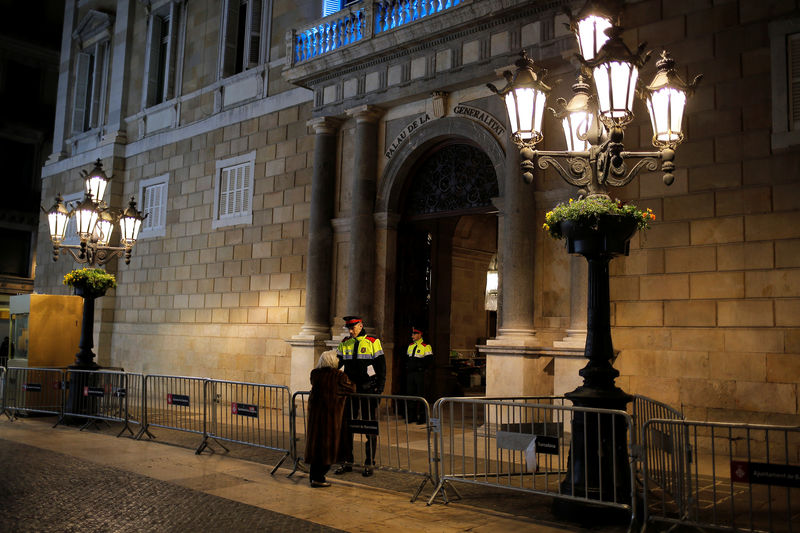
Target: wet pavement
[[63, 479]]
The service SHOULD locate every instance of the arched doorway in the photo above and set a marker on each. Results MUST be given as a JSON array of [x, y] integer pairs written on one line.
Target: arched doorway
[[446, 238]]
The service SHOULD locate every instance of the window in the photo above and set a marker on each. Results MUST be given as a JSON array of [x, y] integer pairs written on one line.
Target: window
[[90, 87], [93, 36], [161, 53], [70, 201], [243, 23], [153, 194], [233, 191], [785, 69], [329, 7]]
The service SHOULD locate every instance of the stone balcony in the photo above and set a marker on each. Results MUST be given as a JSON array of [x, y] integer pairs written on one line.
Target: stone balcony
[[384, 46]]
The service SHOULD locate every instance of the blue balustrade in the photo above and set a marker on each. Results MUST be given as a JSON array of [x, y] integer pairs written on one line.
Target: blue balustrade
[[350, 26]]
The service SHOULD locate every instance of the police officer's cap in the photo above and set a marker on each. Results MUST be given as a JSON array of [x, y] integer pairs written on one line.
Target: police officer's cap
[[416, 329], [351, 321]]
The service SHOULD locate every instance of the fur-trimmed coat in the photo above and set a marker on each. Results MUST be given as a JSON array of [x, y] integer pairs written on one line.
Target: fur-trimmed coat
[[329, 388]]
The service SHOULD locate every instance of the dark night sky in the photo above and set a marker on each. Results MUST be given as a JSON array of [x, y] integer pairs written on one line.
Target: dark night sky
[[35, 21]]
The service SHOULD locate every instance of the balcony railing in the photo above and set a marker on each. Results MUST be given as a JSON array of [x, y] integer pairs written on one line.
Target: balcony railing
[[360, 22]]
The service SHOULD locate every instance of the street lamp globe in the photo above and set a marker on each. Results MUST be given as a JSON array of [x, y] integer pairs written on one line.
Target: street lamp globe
[[666, 99], [615, 70], [577, 117], [96, 182], [105, 225], [85, 217], [57, 219], [524, 96], [129, 224]]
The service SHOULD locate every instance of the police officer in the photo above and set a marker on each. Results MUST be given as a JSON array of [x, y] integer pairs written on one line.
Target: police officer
[[362, 358], [419, 357]]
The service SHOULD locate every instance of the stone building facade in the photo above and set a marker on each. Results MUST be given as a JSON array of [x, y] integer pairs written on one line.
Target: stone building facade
[[299, 168]]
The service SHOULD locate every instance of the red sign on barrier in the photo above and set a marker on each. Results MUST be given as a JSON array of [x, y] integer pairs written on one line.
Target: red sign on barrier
[[765, 474], [244, 409]]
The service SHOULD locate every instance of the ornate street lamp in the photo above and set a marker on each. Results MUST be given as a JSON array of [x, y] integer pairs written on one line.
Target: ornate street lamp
[[589, 26], [594, 123], [94, 223]]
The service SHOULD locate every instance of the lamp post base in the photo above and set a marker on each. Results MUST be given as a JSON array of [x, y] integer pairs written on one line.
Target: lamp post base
[[598, 463]]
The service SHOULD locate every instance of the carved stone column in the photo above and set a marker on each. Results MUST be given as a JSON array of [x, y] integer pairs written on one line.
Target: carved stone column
[[565, 369], [514, 362], [361, 257], [320, 234], [516, 244], [310, 342]]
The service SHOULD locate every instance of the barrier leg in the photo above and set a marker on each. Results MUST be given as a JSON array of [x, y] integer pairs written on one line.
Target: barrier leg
[[421, 485], [126, 427], [205, 444], [295, 468], [285, 456], [144, 431]]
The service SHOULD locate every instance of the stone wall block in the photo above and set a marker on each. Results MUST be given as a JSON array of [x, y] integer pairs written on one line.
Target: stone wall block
[[743, 201], [717, 230], [769, 397], [689, 207], [746, 313], [639, 314], [772, 226], [698, 339], [773, 283], [693, 259], [717, 285], [754, 340], [664, 287], [690, 313], [714, 177], [745, 256]]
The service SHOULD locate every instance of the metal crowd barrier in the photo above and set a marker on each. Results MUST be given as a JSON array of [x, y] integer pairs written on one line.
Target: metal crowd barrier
[[33, 390], [248, 413], [400, 445], [738, 477], [3, 391], [529, 447], [101, 395], [644, 409], [174, 402]]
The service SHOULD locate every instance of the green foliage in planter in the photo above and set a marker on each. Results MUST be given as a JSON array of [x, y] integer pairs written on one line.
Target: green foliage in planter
[[94, 279], [589, 210]]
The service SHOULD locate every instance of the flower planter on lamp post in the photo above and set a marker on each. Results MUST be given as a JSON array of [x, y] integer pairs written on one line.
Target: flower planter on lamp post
[[89, 284]]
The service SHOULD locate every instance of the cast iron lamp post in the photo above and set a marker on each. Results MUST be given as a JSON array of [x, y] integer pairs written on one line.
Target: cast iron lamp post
[[594, 123], [94, 223]]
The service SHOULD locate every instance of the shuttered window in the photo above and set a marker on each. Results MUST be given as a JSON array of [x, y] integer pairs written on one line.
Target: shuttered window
[[242, 39], [234, 191], [793, 52], [784, 47], [162, 50], [153, 195]]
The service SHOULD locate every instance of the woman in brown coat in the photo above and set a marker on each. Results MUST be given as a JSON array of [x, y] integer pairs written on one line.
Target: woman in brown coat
[[329, 387]]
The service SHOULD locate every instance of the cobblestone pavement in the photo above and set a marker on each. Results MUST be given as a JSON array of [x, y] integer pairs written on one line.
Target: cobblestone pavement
[[41, 490]]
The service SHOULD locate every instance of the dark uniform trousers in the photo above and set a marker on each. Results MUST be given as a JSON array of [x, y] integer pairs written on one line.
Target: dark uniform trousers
[[358, 409]]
